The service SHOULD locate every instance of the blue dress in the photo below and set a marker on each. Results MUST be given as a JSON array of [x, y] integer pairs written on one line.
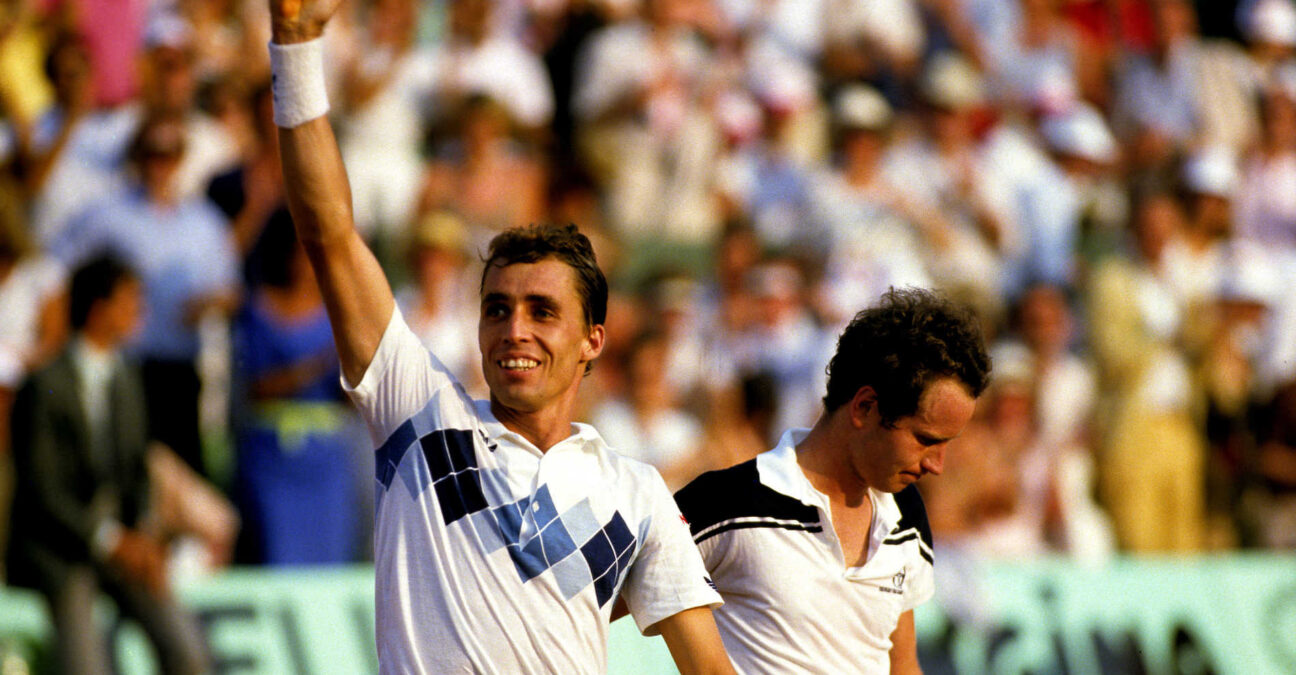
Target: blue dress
[[295, 482]]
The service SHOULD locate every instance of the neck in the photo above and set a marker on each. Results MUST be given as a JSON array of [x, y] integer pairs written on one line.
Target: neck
[[543, 428], [98, 340], [824, 458], [861, 173]]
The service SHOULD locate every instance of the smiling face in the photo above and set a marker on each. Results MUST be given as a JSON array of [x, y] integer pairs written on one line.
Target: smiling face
[[891, 458], [533, 334]]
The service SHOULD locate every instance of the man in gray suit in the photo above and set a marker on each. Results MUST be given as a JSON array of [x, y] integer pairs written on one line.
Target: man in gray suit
[[80, 442]]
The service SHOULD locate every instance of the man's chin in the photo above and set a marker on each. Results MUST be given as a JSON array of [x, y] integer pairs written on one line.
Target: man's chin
[[514, 401]]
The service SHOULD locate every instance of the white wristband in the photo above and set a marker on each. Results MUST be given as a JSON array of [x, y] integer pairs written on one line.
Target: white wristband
[[297, 82]]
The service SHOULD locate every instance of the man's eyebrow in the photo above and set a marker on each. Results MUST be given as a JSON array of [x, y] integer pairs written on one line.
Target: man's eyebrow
[[542, 299], [533, 298], [928, 439]]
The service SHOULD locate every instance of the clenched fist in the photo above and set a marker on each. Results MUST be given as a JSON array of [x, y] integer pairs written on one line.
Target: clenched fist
[[300, 20]]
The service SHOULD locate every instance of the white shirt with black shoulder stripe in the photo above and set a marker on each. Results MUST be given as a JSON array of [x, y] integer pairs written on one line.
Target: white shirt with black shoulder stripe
[[791, 603]]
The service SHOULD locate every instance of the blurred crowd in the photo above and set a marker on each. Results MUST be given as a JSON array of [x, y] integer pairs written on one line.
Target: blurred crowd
[[1110, 183]]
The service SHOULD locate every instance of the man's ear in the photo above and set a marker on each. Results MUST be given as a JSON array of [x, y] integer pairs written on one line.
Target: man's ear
[[593, 343], [862, 405]]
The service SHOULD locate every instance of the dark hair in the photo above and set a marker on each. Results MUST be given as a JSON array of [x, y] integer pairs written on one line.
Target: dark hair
[[152, 137], [275, 252], [911, 339], [92, 282], [63, 41], [533, 243]]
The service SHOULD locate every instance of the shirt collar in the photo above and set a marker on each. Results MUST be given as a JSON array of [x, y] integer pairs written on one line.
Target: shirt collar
[[778, 470], [90, 359], [583, 436]]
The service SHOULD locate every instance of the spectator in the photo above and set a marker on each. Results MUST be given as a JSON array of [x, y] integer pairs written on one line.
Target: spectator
[[295, 481], [79, 523], [485, 175], [74, 153], [437, 302], [946, 170], [183, 251], [1153, 456], [876, 235], [1266, 200], [1063, 404], [1089, 206], [476, 59], [251, 194], [645, 131], [33, 326], [648, 416], [386, 93], [784, 340], [1161, 106], [169, 88]]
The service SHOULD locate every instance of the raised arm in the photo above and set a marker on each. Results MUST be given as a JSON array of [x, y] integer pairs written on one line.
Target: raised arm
[[357, 295]]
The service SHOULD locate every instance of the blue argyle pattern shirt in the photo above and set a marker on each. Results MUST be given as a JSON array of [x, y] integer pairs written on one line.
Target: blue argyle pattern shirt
[[492, 556]]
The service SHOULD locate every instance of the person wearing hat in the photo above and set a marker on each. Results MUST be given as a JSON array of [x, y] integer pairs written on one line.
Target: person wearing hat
[[1197, 262], [436, 301], [875, 236], [169, 87], [1088, 155], [946, 169], [183, 251]]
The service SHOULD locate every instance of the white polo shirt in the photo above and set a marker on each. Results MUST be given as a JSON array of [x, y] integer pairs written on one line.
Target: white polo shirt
[[493, 557], [791, 604]]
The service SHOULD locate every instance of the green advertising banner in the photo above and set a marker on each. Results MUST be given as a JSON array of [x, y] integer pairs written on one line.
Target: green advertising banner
[[1223, 615]]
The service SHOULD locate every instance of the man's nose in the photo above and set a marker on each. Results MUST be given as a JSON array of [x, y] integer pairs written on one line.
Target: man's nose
[[934, 462], [519, 328]]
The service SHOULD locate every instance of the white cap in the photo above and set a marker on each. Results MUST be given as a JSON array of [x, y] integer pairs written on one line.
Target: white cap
[[1212, 171], [1251, 277], [862, 107], [950, 81], [782, 84], [1271, 22], [166, 29], [1079, 132]]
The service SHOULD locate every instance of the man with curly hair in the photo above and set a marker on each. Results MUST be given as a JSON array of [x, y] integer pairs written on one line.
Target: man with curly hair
[[821, 547]]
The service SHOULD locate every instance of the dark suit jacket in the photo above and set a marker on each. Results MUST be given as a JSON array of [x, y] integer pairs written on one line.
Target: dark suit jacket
[[59, 474]]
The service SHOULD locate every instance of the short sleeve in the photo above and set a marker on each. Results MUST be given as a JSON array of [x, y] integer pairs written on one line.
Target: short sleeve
[[922, 588], [399, 382], [668, 575]]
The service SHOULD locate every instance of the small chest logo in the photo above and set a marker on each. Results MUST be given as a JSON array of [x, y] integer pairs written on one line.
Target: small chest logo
[[897, 583]]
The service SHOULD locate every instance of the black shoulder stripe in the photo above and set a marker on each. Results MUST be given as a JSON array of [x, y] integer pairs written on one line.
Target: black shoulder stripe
[[733, 493], [751, 523], [913, 514]]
